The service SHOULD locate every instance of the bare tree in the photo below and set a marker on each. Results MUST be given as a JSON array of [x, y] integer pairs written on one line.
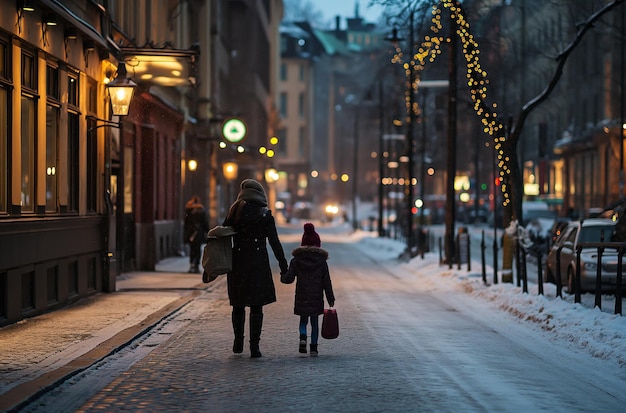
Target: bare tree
[[516, 126]]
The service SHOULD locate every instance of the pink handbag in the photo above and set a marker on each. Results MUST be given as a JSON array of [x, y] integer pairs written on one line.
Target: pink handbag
[[330, 324]]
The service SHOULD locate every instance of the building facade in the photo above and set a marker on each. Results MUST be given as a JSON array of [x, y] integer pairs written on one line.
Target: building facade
[[85, 195]]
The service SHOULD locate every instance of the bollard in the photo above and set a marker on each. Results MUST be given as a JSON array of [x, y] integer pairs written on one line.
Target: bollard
[[618, 282], [440, 252], [482, 257], [540, 272], [469, 253], [458, 252], [462, 250], [524, 276], [507, 258], [559, 284], [577, 287], [495, 260], [518, 263], [598, 300]]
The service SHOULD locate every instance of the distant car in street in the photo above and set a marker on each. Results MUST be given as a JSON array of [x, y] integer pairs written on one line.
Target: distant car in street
[[593, 230], [478, 214]]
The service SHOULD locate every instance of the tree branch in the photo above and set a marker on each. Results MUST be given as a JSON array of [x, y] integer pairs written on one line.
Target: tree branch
[[562, 59]]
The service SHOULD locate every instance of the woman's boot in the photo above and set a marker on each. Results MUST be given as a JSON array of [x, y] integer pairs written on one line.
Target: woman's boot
[[256, 324], [239, 321]]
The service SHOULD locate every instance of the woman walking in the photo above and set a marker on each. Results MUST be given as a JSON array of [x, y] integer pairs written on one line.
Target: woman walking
[[250, 283], [196, 228]]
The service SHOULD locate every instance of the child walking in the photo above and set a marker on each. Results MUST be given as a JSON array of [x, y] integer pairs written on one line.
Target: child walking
[[310, 267]]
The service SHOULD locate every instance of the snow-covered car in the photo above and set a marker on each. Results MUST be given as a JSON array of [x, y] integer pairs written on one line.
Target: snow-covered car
[[592, 230]]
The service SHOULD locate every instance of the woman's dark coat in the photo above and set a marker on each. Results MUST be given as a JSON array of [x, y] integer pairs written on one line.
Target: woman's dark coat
[[250, 282], [310, 267]]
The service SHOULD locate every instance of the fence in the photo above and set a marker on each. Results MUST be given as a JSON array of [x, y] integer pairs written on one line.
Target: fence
[[463, 242]]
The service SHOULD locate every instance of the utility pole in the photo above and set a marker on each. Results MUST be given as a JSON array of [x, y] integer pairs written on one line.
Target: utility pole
[[451, 160]]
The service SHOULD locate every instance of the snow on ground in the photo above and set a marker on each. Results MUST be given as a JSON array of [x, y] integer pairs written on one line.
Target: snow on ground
[[574, 325]]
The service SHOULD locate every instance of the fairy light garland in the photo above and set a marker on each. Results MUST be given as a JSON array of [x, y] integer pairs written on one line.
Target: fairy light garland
[[476, 76]]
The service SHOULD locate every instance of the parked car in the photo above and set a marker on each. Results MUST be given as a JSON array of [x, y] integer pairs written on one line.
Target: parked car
[[592, 230]]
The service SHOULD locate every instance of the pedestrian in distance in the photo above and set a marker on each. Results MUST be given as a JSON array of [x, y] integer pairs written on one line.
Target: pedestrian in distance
[[250, 282], [195, 231], [309, 265]]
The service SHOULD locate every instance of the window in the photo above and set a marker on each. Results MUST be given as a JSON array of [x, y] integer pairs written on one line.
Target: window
[[27, 138], [301, 105], [73, 182], [28, 71], [283, 71], [28, 153], [72, 162], [52, 137], [72, 89], [283, 105], [4, 124], [92, 150], [302, 142], [52, 82], [282, 140], [52, 132]]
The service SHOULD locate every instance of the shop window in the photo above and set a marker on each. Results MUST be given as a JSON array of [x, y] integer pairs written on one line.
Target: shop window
[[52, 132], [28, 122], [52, 138], [92, 150], [73, 143], [27, 139], [4, 125], [73, 181]]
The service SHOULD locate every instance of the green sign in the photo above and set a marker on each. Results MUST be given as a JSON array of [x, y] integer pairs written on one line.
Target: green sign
[[234, 130]]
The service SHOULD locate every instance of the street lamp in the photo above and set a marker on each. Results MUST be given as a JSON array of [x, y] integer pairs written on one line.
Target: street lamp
[[121, 91], [230, 170], [394, 39], [271, 177]]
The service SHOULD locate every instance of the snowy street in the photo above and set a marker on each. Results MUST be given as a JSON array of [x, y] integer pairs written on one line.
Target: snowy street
[[414, 336]]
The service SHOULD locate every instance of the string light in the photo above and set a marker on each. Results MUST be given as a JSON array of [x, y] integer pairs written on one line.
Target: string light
[[476, 76]]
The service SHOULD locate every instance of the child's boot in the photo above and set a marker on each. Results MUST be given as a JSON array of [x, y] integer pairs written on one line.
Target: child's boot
[[302, 348], [313, 350]]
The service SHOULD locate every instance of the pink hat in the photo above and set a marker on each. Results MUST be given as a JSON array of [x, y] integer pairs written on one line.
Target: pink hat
[[310, 238]]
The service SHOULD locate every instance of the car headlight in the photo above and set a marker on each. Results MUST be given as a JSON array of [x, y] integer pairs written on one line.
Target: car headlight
[[589, 266]]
